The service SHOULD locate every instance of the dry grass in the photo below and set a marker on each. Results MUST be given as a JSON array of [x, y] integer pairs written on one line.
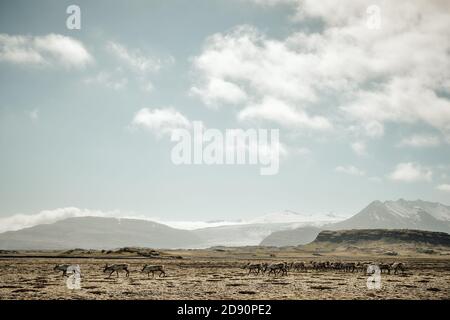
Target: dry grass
[[218, 274]]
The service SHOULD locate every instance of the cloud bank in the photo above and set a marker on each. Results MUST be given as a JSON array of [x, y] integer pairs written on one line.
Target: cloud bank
[[49, 50], [396, 73]]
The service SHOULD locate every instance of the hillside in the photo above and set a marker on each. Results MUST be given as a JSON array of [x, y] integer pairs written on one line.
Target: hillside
[[400, 214], [98, 233], [252, 232], [388, 236], [293, 237], [238, 235]]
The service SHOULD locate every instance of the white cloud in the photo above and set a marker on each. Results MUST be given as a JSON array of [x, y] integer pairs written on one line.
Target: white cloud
[[108, 80], [351, 170], [391, 74], [160, 121], [421, 140], [51, 49], [374, 129], [443, 187], [271, 109], [359, 148], [219, 91], [411, 172], [20, 221], [403, 100], [137, 60], [266, 77]]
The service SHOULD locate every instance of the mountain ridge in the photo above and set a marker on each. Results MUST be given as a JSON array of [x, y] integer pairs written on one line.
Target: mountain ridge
[[98, 233], [273, 229], [398, 214], [385, 235]]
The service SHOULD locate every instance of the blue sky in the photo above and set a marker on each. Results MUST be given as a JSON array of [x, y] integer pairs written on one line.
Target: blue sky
[[363, 113]]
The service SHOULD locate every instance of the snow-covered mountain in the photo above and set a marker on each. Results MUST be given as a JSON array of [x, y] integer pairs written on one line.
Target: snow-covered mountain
[[288, 216], [400, 214], [205, 233], [289, 228], [253, 231], [407, 208]]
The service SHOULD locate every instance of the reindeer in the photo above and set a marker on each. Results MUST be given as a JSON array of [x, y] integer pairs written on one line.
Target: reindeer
[[116, 268], [154, 268], [349, 266], [298, 266], [398, 266], [319, 266], [276, 268], [309, 265], [254, 267], [284, 270], [264, 267], [361, 266], [336, 266], [385, 266], [63, 268]]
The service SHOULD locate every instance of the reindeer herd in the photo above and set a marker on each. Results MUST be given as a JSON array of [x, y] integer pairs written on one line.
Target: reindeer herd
[[119, 268], [281, 268]]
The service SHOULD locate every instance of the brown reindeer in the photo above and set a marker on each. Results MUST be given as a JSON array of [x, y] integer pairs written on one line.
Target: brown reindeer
[[116, 268], [398, 266], [154, 268], [254, 267], [63, 268]]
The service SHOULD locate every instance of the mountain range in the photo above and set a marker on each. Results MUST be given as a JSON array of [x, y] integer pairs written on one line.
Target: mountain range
[[285, 228], [400, 214], [98, 233]]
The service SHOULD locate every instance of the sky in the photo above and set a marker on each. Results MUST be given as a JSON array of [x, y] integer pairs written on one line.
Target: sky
[[359, 91]]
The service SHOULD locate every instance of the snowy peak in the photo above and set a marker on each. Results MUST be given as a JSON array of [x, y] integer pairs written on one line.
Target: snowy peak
[[436, 209], [288, 216], [413, 209], [401, 214], [284, 216]]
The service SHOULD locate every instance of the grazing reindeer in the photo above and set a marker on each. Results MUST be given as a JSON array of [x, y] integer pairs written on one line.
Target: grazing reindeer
[[116, 268], [385, 266], [398, 266], [361, 266], [152, 268], [309, 265], [337, 265], [63, 268], [264, 267], [319, 266], [298, 266], [349, 267], [254, 267], [276, 268]]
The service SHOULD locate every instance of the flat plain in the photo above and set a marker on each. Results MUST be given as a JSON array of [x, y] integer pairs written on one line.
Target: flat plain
[[219, 274]]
